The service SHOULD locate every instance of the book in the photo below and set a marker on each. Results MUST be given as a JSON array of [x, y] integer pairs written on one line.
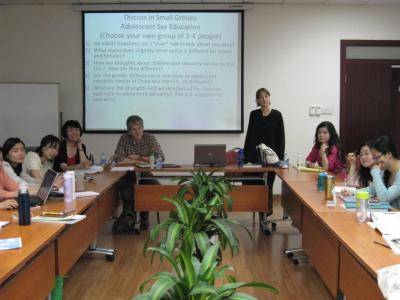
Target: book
[[64, 220]]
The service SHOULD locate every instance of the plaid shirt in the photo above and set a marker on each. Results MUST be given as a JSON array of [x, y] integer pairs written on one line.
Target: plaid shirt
[[148, 144]]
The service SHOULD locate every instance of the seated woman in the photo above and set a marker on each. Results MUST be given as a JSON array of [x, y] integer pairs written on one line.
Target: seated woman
[[359, 172], [386, 185], [37, 163], [72, 154], [327, 152], [13, 156], [8, 190]]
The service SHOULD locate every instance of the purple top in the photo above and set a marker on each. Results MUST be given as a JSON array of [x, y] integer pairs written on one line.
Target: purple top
[[335, 164]]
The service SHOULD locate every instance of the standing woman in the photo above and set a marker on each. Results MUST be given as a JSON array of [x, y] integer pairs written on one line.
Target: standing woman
[[37, 163], [72, 154], [327, 151], [265, 126], [13, 156], [385, 186]]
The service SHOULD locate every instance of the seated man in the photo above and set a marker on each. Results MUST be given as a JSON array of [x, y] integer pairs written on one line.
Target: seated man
[[135, 146]]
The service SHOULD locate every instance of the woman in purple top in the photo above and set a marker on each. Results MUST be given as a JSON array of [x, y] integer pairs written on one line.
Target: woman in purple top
[[327, 152]]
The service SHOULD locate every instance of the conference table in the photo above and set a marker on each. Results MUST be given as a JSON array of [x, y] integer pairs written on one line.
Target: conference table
[[340, 249], [50, 249]]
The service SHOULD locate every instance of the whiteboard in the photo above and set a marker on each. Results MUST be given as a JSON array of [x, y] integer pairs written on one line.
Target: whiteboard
[[29, 111]]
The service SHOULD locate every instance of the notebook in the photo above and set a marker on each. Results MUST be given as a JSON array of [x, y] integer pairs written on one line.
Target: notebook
[[208, 155], [44, 189]]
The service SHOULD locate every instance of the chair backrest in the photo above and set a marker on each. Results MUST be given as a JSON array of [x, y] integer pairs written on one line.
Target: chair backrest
[[231, 156]]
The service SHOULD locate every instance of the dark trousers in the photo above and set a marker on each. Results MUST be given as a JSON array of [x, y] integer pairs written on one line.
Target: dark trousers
[[126, 187], [270, 183]]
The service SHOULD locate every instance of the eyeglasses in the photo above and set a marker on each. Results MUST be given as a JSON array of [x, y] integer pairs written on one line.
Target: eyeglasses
[[377, 157]]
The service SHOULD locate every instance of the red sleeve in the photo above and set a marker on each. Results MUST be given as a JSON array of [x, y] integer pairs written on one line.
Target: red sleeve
[[334, 163], [313, 155]]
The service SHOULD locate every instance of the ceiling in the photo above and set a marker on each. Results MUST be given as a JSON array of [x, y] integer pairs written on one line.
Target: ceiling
[[328, 2]]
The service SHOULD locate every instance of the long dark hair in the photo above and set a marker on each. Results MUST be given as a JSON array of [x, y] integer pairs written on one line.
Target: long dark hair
[[364, 173], [384, 144], [333, 139], [50, 140], [8, 144]]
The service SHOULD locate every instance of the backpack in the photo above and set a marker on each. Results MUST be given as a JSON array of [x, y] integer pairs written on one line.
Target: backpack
[[125, 223]]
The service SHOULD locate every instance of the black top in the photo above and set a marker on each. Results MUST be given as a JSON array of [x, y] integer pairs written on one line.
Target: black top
[[62, 156], [268, 130]]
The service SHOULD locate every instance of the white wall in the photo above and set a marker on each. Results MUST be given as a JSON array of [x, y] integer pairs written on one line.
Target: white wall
[[293, 50]]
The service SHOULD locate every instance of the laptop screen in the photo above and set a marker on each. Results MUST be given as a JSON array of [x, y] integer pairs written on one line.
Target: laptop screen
[[47, 184], [209, 155]]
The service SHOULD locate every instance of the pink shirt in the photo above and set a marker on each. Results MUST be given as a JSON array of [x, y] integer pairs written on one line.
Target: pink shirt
[[335, 165], [7, 186]]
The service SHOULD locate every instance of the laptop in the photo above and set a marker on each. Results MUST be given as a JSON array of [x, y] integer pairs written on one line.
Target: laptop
[[208, 155], [44, 189]]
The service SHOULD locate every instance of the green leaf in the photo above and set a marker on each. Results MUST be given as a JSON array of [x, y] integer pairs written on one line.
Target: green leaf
[[203, 289], [172, 237], [237, 285], [180, 207], [145, 296], [227, 235], [160, 288], [189, 273], [162, 252], [209, 259], [241, 296], [202, 242]]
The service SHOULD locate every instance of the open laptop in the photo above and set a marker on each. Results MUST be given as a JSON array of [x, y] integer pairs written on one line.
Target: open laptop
[[44, 189], [208, 155]]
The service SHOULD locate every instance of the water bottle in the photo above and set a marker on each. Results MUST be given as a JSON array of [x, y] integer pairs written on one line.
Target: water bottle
[[68, 187], [240, 158], [362, 206], [103, 159], [158, 162], [151, 160], [24, 205], [321, 181], [285, 161]]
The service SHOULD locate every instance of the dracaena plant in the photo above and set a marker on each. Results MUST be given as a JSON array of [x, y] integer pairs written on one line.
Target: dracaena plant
[[193, 279], [199, 215]]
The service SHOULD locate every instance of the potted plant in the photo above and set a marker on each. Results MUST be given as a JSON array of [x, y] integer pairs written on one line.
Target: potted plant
[[193, 279], [199, 215]]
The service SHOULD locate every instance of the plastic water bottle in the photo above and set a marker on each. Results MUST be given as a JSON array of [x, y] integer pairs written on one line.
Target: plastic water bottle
[[285, 161], [24, 205], [103, 159], [158, 162], [68, 187], [240, 158], [151, 160], [362, 206]]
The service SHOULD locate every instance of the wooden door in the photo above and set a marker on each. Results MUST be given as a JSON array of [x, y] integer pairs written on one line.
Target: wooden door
[[366, 107]]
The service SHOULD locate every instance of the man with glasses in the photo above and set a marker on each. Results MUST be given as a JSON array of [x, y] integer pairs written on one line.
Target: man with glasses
[[133, 147]]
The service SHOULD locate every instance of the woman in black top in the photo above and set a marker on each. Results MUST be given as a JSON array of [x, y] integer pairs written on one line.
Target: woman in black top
[[265, 126]]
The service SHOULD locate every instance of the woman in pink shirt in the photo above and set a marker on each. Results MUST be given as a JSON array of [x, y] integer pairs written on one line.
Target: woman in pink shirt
[[8, 190], [327, 152]]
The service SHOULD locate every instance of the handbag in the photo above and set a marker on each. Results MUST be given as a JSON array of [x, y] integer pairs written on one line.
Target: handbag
[[267, 156]]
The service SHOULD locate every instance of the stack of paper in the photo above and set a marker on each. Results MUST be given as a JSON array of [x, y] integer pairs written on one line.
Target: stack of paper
[[92, 169], [307, 169]]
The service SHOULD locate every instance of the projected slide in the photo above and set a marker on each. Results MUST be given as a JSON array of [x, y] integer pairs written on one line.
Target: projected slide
[[180, 71]]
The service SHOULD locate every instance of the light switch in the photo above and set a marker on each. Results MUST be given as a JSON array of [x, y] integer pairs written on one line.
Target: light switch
[[311, 110]]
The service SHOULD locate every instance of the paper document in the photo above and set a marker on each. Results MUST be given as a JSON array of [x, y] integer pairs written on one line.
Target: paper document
[[92, 170], [387, 222], [86, 194], [122, 169], [8, 244], [251, 166], [64, 220], [4, 223]]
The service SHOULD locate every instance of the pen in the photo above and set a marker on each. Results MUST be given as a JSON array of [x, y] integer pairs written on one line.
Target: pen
[[55, 213], [381, 244]]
